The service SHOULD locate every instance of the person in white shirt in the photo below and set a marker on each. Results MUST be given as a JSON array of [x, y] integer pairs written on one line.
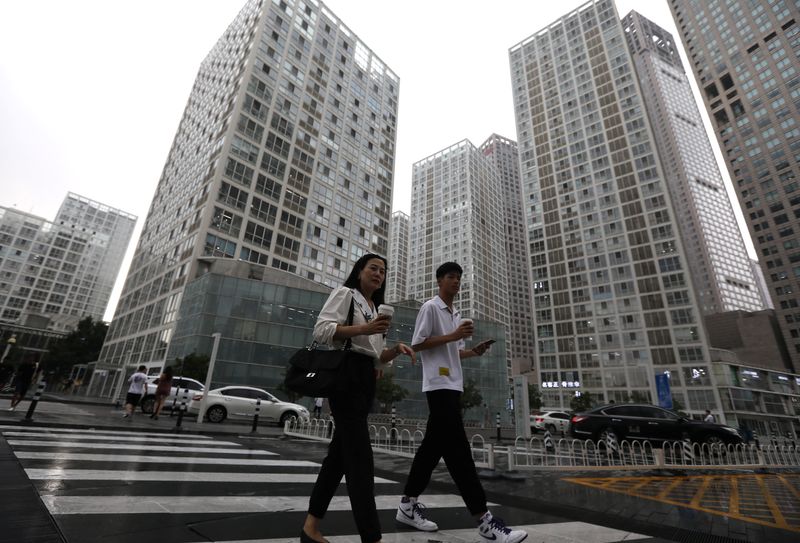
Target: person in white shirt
[[709, 417], [350, 451], [318, 407], [135, 390], [439, 336]]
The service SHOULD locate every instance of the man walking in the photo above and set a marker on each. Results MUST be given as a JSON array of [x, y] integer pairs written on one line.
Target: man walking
[[22, 381], [135, 391], [439, 335]]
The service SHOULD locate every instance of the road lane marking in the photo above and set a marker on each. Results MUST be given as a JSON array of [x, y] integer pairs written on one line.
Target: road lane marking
[[142, 458], [129, 446]]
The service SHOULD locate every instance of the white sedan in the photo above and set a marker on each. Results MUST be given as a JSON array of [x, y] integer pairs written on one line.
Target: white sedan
[[240, 402]]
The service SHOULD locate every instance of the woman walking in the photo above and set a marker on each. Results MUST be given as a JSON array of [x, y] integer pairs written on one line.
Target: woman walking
[[350, 452], [163, 389]]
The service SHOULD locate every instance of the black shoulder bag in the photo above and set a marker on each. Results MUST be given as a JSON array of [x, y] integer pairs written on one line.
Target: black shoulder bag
[[315, 372]]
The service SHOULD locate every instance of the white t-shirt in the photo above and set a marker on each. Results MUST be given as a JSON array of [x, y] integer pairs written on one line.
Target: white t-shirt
[[334, 312], [441, 366], [137, 381], [709, 418]]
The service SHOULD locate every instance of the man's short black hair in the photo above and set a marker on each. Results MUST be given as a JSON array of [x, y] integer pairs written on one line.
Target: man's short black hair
[[448, 267]]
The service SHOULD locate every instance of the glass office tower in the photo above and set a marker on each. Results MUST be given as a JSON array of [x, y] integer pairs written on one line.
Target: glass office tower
[[613, 299], [284, 157], [744, 59]]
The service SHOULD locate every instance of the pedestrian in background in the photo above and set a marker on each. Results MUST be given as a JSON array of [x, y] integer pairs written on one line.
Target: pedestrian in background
[[163, 388], [22, 381], [135, 391], [709, 417], [350, 451], [318, 407], [439, 335]]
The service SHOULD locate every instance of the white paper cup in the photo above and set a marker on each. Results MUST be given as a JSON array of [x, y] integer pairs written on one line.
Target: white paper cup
[[384, 309], [467, 320]]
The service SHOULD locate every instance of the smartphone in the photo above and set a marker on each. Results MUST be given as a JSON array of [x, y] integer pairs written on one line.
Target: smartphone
[[487, 342]]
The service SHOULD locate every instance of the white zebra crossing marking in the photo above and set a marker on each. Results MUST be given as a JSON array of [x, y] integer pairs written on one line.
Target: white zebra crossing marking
[[94, 505], [59, 474], [554, 532], [47, 429], [141, 458], [129, 446], [163, 438]]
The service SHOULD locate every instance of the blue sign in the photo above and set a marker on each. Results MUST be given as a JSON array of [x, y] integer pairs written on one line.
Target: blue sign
[[662, 389]]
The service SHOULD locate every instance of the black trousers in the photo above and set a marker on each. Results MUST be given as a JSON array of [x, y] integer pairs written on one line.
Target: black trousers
[[350, 451], [445, 438]]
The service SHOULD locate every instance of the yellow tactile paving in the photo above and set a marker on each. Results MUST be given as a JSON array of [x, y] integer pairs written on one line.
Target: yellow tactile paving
[[768, 499]]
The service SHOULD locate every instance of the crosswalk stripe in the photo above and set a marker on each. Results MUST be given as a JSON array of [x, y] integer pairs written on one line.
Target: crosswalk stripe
[[40, 429], [129, 446], [117, 437], [93, 505], [59, 474], [141, 458], [564, 532]]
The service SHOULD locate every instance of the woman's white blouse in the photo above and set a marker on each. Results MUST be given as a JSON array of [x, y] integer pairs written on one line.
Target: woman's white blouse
[[334, 312]]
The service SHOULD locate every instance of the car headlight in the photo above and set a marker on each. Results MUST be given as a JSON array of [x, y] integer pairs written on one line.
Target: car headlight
[[731, 430]]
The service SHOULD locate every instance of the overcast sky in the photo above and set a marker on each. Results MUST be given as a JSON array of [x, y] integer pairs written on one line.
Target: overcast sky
[[92, 91]]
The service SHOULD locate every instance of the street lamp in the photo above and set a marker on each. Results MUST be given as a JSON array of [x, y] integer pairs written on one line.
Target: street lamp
[[10, 343]]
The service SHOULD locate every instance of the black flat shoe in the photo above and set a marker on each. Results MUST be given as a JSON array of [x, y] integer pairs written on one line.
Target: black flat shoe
[[305, 538]]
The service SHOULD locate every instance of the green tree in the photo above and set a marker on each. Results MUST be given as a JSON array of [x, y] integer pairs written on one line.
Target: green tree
[[387, 392], [80, 346], [192, 365], [677, 406], [582, 403], [471, 396], [534, 397]]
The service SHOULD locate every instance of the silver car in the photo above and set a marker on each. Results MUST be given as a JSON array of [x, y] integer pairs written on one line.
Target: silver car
[[240, 402], [556, 422]]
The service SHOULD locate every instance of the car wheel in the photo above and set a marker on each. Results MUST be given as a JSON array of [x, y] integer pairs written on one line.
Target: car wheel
[[286, 416], [714, 442], [147, 404], [551, 428], [216, 413]]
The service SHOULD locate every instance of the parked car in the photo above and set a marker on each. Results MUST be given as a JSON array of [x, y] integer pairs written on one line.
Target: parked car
[[554, 421], [240, 402], [643, 421], [179, 384]]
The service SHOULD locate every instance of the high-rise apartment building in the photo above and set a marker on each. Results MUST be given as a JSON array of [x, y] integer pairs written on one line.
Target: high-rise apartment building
[[457, 215], [284, 157], [744, 58], [502, 155], [397, 280], [61, 270], [716, 253], [613, 298]]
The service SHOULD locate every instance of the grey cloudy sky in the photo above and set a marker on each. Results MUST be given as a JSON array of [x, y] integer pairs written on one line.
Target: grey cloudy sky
[[92, 91]]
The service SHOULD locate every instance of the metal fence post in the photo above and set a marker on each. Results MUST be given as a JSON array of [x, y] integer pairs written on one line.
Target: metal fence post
[[497, 422], [255, 416], [35, 400], [394, 424], [182, 409], [548, 440]]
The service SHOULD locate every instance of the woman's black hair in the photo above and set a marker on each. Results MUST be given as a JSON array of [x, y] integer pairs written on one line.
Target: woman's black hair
[[168, 371], [353, 282]]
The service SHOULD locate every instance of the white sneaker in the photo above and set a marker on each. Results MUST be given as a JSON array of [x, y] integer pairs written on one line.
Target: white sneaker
[[12, 408], [494, 529], [412, 513]]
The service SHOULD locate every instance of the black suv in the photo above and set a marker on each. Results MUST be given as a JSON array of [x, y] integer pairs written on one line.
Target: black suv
[[643, 421]]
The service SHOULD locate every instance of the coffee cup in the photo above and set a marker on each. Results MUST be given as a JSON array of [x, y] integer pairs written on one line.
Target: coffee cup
[[384, 309], [467, 321]]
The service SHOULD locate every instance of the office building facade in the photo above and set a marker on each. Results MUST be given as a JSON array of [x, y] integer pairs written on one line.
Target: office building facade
[[503, 156], [54, 273], [457, 215], [613, 298], [397, 280], [717, 257], [744, 59], [284, 157]]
